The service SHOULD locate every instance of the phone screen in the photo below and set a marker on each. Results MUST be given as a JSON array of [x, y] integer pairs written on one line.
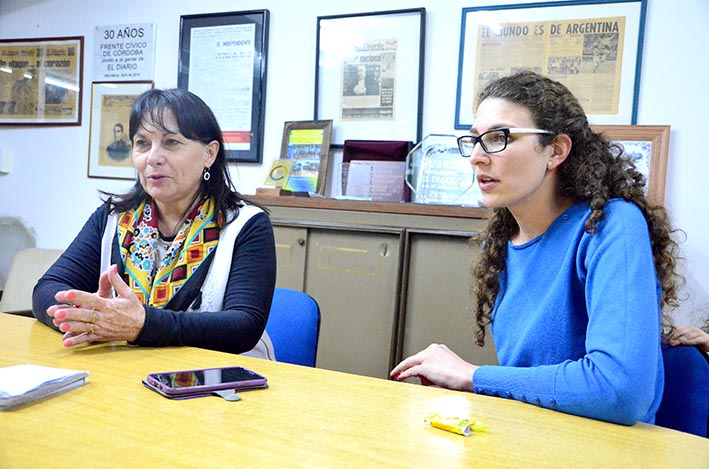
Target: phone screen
[[206, 377]]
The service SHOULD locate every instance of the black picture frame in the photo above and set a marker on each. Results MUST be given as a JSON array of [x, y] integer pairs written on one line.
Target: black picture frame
[[215, 50], [390, 46]]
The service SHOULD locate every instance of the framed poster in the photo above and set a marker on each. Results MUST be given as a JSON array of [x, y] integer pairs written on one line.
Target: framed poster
[[40, 81], [223, 60], [304, 151], [594, 47], [648, 146], [369, 74], [109, 144]]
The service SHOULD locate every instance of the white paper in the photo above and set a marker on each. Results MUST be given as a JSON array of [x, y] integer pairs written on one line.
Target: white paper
[[19, 379], [124, 52]]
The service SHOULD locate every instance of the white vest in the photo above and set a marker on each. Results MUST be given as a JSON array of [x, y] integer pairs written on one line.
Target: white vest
[[214, 285]]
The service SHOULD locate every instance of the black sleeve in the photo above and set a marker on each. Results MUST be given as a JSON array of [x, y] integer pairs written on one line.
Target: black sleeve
[[79, 267], [247, 300]]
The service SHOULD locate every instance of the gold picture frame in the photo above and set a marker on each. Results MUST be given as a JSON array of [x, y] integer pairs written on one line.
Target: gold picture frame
[[109, 145], [306, 146], [649, 146]]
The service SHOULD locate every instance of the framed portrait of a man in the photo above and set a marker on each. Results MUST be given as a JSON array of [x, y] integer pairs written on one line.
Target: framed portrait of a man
[[109, 141]]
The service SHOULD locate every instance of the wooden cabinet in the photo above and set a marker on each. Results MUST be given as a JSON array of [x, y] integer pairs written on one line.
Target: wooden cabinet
[[388, 283]]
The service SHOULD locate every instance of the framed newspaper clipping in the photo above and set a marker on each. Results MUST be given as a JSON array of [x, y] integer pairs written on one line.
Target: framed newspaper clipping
[[223, 59], [40, 81], [648, 146], [594, 47], [109, 142], [369, 74]]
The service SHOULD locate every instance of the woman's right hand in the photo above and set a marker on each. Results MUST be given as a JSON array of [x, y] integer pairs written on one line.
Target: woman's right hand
[[687, 335], [99, 317]]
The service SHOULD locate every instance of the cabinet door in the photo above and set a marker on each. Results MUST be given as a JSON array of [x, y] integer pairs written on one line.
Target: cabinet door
[[291, 247], [438, 307], [353, 275]]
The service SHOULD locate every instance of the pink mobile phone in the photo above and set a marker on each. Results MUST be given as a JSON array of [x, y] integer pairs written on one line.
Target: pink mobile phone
[[204, 381]]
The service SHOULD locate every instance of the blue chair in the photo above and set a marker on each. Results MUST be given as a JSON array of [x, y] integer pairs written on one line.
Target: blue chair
[[294, 327], [685, 402]]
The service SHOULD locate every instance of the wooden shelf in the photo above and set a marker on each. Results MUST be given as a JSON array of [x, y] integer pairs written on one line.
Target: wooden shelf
[[378, 207]]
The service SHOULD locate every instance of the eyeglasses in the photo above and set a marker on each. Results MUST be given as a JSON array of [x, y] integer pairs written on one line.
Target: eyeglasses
[[492, 141]]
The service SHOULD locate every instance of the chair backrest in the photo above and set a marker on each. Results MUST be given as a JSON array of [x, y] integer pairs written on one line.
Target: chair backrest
[[294, 327], [685, 402], [27, 267]]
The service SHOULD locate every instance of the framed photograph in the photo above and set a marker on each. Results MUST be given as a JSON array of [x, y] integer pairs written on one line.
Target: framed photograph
[[369, 74], [109, 143], [223, 60], [594, 47], [40, 81], [304, 151], [649, 146]]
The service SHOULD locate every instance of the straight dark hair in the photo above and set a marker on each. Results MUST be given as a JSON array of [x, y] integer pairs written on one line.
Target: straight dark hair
[[195, 121]]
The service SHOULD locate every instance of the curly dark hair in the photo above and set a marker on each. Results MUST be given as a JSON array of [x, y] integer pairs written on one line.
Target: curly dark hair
[[196, 121], [595, 171]]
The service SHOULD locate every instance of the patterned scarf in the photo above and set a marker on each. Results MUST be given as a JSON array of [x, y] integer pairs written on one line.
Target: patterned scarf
[[138, 236]]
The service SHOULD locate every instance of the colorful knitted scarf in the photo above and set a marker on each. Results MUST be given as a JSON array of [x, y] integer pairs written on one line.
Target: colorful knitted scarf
[[138, 236]]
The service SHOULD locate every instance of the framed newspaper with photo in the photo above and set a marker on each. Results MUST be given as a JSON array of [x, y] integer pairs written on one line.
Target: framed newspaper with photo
[[41, 80], [594, 47], [369, 74]]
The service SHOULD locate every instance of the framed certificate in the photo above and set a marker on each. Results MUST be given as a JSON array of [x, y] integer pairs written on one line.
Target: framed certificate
[[223, 60]]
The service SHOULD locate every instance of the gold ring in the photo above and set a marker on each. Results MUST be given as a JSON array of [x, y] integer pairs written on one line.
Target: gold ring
[[91, 329], [93, 318]]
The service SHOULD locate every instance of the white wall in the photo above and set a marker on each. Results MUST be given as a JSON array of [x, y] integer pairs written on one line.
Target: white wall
[[49, 189]]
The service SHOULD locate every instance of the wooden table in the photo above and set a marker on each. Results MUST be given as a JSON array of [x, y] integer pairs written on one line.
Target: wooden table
[[307, 418]]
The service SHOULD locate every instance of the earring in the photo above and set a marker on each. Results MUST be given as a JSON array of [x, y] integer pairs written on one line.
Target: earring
[[205, 174], [549, 163]]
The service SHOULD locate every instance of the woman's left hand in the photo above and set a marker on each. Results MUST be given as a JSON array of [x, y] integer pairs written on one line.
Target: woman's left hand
[[437, 365], [99, 317]]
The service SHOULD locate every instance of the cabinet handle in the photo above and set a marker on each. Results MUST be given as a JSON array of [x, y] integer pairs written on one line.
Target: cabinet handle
[[301, 242]]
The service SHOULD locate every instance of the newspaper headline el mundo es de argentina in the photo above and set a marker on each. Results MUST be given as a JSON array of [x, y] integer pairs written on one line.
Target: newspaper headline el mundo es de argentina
[[584, 54], [39, 80]]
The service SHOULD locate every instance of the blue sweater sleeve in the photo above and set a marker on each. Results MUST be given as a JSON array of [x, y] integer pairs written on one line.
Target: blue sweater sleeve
[[618, 378]]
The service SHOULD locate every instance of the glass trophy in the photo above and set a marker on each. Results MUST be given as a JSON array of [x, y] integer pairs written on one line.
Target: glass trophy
[[437, 174]]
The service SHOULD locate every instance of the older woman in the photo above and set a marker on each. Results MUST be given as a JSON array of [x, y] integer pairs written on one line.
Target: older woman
[[576, 265], [181, 259]]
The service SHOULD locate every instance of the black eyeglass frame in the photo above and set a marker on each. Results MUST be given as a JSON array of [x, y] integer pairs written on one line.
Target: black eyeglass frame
[[506, 132]]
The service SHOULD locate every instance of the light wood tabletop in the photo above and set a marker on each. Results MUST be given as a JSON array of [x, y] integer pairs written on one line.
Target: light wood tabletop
[[307, 418]]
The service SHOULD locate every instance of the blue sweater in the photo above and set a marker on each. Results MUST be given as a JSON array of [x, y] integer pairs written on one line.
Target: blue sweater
[[577, 321]]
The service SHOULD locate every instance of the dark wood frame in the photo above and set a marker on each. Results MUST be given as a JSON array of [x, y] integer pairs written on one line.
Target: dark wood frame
[[78, 74]]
